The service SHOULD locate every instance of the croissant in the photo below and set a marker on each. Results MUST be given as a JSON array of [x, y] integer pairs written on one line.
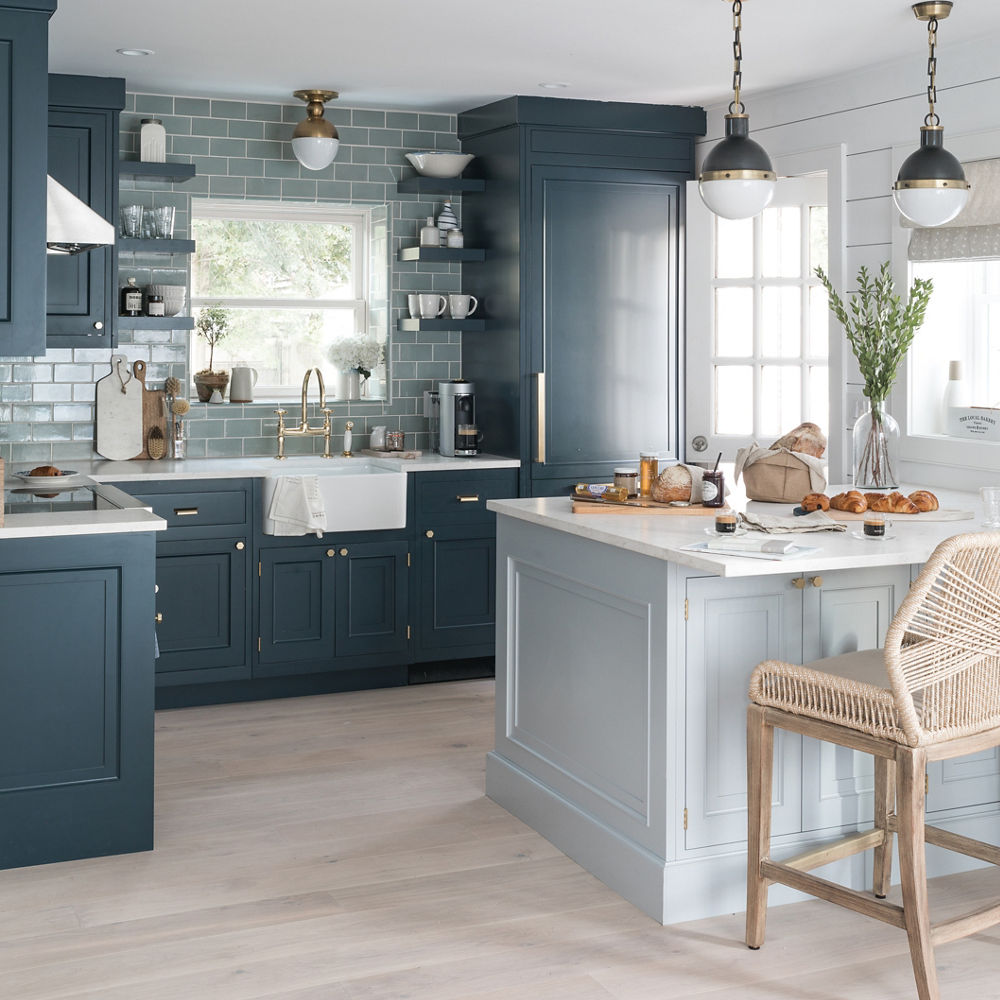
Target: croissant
[[924, 500], [895, 503], [851, 501], [815, 501], [870, 498]]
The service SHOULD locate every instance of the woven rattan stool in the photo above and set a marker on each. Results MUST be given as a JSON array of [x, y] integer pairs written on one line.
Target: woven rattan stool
[[933, 693]]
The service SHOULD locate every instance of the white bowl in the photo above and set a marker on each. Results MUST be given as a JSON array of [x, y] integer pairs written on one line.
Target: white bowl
[[173, 297], [440, 164]]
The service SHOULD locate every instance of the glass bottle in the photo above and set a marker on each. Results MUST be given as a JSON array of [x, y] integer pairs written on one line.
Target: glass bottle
[[876, 449], [430, 235], [152, 141], [131, 299]]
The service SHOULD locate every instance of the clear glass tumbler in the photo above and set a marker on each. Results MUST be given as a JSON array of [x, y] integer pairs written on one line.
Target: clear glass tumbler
[[131, 219], [991, 504], [163, 222]]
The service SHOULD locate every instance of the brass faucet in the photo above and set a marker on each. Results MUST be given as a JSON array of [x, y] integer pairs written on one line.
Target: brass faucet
[[304, 427]]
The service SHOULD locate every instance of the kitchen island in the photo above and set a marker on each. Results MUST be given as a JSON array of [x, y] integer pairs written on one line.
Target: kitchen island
[[622, 669], [76, 673]]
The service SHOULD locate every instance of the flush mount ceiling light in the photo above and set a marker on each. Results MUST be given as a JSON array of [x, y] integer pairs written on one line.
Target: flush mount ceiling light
[[135, 52], [931, 188], [737, 179], [315, 141], [554, 85]]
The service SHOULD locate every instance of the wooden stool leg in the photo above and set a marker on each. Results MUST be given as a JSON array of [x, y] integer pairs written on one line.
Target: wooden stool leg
[[910, 767], [760, 761], [885, 805]]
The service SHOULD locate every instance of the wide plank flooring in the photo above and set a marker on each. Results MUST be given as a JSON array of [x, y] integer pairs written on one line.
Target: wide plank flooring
[[340, 847]]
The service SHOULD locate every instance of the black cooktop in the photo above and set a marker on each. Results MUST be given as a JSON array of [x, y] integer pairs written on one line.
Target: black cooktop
[[49, 499]]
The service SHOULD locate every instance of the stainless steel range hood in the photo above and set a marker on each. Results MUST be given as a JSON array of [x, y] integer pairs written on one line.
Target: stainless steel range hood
[[71, 226]]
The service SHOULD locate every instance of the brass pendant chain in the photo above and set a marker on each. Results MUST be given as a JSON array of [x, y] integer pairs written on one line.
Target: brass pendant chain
[[932, 118], [737, 107]]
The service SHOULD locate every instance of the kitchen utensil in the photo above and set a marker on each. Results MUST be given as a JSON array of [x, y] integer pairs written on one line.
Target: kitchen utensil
[[241, 384], [432, 305], [460, 306], [67, 477], [439, 164], [156, 443], [131, 216], [154, 410], [944, 514], [118, 397]]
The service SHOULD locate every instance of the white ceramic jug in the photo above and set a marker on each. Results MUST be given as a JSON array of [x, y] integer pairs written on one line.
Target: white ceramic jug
[[241, 385]]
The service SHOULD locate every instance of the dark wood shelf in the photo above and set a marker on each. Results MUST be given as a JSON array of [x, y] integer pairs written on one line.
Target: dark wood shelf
[[438, 185], [156, 322], [441, 324], [176, 172], [127, 245], [441, 254]]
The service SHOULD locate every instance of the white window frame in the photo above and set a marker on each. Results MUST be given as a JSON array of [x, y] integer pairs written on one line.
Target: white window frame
[[359, 218]]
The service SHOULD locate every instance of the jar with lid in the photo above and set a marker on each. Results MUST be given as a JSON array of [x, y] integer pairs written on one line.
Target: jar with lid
[[155, 306], [713, 488], [131, 299], [629, 478], [152, 141], [648, 470]]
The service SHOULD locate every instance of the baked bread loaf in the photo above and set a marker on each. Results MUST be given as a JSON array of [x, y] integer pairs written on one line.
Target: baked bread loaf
[[815, 501], [673, 483], [895, 503], [45, 470], [924, 500], [807, 438], [852, 501]]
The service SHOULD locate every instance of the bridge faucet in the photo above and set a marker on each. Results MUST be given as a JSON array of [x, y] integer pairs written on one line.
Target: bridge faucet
[[304, 427]]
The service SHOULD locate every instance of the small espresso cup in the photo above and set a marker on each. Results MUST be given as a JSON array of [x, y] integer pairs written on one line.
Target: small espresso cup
[[413, 304], [432, 305], [460, 306], [875, 524]]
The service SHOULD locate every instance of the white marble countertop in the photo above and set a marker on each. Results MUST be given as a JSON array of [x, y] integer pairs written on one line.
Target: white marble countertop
[[664, 536]]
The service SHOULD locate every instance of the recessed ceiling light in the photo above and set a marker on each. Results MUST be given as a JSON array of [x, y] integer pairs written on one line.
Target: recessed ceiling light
[[557, 85], [135, 52]]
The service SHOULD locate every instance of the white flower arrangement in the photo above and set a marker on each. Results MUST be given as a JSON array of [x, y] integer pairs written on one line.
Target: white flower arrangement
[[357, 353]]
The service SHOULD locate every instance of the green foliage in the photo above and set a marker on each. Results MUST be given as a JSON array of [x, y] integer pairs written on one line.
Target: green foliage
[[212, 325], [879, 327]]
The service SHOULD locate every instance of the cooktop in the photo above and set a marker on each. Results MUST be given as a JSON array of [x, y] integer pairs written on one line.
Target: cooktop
[[48, 499]]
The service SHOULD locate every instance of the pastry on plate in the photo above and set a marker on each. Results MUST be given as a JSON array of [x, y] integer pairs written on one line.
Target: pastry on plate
[[45, 470], [852, 502], [895, 503], [924, 500], [815, 501]]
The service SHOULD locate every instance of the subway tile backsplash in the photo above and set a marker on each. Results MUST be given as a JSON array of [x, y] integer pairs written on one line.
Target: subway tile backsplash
[[242, 149]]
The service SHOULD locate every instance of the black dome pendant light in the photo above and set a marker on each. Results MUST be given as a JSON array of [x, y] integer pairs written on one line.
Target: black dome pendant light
[[931, 188], [737, 180]]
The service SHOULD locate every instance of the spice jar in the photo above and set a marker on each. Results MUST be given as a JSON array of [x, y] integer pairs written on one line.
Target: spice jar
[[713, 492], [629, 479], [154, 305], [393, 440], [648, 471]]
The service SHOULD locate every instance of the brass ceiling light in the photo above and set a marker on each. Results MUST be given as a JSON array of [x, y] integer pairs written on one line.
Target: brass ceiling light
[[315, 140], [931, 188], [737, 180]]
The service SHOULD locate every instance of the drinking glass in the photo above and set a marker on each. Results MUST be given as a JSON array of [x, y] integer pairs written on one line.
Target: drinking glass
[[131, 216], [991, 503], [163, 222]]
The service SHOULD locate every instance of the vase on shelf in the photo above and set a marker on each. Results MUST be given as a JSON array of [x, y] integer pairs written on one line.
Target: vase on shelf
[[348, 384], [876, 449]]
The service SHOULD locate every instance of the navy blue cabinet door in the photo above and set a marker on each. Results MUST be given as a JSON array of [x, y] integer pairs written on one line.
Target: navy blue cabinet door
[[371, 592], [297, 609], [79, 291], [202, 596], [457, 592]]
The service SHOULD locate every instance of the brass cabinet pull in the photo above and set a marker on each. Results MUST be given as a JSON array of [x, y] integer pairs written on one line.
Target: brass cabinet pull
[[330, 553], [469, 499], [185, 511], [799, 583], [429, 534], [343, 552], [540, 419], [159, 617], [816, 581]]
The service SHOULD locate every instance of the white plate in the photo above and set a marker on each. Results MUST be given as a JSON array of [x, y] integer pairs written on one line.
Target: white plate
[[740, 530], [67, 477], [872, 538]]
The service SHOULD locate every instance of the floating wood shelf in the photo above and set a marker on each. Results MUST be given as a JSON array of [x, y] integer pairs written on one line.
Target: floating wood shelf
[[441, 324], [438, 185], [127, 245], [176, 172], [441, 254]]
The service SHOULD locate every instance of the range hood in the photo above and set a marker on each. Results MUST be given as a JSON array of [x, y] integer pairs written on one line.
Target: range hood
[[71, 226]]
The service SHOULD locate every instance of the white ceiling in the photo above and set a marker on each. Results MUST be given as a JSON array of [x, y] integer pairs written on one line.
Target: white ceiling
[[445, 55]]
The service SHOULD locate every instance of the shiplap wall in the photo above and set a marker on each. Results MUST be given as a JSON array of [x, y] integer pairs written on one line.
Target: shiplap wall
[[870, 112]]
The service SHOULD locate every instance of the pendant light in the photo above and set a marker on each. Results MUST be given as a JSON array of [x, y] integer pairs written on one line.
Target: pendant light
[[315, 141], [931, 188], [737, 179]]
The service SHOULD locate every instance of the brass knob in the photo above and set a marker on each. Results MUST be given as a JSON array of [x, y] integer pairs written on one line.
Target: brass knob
[[159, 617], [429, 534], [816, 581], [330, 553], [98, 325], [343, 552], [799, 583], [240, 546]]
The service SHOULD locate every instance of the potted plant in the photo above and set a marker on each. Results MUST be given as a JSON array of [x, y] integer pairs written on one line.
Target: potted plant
[[356, 357], [880, 330], [213, 325]]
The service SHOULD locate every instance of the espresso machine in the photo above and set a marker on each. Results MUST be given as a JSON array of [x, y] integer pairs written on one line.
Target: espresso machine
[[459, 433]]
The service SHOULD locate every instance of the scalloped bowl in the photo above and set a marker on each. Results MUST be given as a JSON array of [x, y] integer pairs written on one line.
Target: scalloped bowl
[[433, 164], [173, 297]]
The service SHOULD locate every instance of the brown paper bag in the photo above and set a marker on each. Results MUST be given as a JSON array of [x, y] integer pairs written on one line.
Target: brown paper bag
[[781, 478]]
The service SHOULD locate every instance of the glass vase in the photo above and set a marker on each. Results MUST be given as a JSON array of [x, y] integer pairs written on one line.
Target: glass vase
[[876, 449]]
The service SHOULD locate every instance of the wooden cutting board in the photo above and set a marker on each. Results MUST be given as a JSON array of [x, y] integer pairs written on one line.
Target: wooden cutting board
[[118, 403], [645, 506], [154, 409], [943, 514]]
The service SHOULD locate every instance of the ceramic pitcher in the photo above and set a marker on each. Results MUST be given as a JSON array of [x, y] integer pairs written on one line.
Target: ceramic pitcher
[[241, 385]]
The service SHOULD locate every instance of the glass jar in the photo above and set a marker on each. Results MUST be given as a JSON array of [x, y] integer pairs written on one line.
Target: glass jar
[[648, 471], [713, 488], [394, 440], [152, 141], [154, 305], [629, 478]]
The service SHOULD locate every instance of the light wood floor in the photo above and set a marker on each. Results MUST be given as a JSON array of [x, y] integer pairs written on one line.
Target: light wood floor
[[341, 848]]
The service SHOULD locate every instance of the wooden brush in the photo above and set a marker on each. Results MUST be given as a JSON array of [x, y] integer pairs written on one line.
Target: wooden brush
[[156, 443]]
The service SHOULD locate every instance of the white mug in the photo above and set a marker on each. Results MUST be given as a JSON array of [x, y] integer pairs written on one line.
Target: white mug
[[378, 437], [413, 304], [241, 385], [461, 306], [432, 305]]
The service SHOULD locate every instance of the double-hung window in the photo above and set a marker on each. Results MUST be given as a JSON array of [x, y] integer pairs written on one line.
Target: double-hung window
[[294, 279]]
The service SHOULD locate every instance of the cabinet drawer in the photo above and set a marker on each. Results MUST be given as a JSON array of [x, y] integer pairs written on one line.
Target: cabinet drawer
[[463, 497], [198, 510]]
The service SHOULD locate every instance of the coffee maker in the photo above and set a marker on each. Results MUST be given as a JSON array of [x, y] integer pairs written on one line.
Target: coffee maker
[[459, 434]]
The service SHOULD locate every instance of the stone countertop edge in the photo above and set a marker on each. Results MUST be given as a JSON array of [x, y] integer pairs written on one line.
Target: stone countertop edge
[[80, 522], [663, 536]]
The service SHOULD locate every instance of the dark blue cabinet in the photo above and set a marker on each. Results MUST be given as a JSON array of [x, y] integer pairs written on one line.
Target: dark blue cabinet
[[24, 46], [83, 157], [372, 592]]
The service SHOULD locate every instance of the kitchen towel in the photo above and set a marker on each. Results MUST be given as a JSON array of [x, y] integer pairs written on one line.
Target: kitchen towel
[[297, 506], [774, 525]]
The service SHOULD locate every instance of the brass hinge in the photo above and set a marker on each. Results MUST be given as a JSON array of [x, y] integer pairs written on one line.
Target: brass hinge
[[687, 608], [685, 818], [407, 631], [407, 558], [258, 568], [258, 644]]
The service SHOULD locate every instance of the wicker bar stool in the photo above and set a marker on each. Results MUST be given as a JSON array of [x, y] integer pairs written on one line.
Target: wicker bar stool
[[942, 700]]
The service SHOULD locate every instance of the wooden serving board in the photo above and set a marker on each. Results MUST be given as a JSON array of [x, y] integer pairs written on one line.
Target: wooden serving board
[[645, 506], [119, 412], [154, 409], [943, 514]]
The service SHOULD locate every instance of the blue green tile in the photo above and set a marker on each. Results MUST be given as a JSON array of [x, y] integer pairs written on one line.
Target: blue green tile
[[153, 105], [229, 147], [229, 109], [209, 126], [192, 106], [361, 116], [264, 112], [259, 187], [239, 129]]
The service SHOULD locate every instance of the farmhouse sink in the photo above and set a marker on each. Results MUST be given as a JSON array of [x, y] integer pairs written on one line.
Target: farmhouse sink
[[358, 495]]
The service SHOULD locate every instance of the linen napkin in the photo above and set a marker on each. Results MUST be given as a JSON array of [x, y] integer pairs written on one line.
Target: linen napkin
[[297, 506], [772, 524]]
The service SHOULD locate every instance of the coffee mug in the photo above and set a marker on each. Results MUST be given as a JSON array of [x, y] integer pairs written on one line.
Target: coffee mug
[[432, 305], [378, 436], [241, 385], [461, 306], [413, 304]]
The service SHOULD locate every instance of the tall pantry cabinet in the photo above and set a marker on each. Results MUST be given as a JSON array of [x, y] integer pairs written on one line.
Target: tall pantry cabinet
[[582, 219]]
